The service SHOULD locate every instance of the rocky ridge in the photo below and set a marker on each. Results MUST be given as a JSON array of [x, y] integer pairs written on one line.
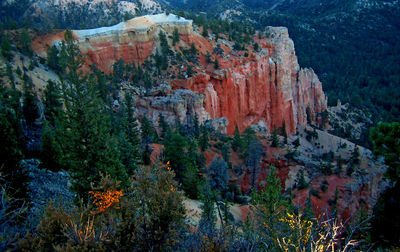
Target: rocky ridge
[[267, 87]]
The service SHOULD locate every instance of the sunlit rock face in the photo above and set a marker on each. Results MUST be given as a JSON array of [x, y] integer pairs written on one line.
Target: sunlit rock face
[[266, 87]]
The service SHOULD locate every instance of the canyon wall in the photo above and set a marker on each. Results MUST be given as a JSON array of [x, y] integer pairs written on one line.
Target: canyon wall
[[266, 87], [269, 88]]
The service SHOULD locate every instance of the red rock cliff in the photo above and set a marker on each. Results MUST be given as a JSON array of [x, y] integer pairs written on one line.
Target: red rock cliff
[[267, 87]]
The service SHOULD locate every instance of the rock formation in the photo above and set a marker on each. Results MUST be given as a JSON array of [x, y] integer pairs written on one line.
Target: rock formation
[[267, 87]]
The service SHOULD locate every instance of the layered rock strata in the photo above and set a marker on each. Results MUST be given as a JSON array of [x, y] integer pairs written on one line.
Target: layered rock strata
[[266, 87]]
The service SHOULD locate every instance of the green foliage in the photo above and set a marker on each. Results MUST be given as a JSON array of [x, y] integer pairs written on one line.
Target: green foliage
[[175, 36], [385, 140], [237, 140], [274, 139], [128, 16], [256, 47], [129, 137], [6, 48], [12, 144], [205, 31], [30, 106], [145, 217], [208, 215], [253, 161], [25, 41], [86, 126], [216, 64], [301, 181], [148, 133], [52, 101], [174, 149], [204, 139], [164, 43]]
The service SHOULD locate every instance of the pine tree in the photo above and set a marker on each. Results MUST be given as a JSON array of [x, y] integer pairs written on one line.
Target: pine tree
[[118, 70], [284, 133], [237, 140], [191, 180], [173, 152], [175, 37], [148, 133], [270, 204], [25, 41], [196, 126], [52, 58], [208, 215], [203, 142], [92, 149], [12, 145], [301, 181], [253, 161], [129, 137], [205, 31], [216, 64], [52, 101], [30, 105], [218, 175], [385, 140], [274, 139], [6, 48]]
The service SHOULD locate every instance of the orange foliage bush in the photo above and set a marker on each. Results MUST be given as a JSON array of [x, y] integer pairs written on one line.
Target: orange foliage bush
[[104, 200]]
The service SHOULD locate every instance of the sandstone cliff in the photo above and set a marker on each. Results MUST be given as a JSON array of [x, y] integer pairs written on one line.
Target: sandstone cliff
[[266, 87]]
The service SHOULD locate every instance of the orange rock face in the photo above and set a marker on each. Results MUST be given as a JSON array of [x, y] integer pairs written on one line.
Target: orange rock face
[[266, 88], [269, 87]]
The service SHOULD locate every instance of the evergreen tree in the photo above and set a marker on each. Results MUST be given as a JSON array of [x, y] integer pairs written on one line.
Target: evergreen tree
[[196, 126], [52, 153], [52, 101], [205, 31], [129, 137], [30, 105], [175, 37], [191, 181], [193, 49], [339, 164], [52, 58], [25, 41], [6, 48], [216, 64], [118, 70], [309, 116], [385, 140], [174, 149], [256, 46], [253, 161], [301, 181], [218, 175], [92, 149], [208, 215], [284, 134], [163, 125], [164, 43], [274, 139], [149, 134], [203, 142], [237, 140], [208, 58], [12, 144], [270, 204]]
